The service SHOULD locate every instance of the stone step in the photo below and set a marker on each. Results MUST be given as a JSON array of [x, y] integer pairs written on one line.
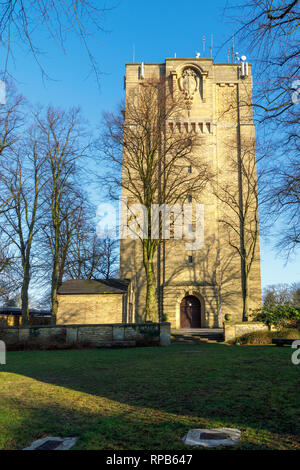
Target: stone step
[[205, 334], [200, 338], [196, 341]]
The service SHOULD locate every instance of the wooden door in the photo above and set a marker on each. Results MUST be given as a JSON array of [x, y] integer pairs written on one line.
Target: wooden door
[[190, 312]]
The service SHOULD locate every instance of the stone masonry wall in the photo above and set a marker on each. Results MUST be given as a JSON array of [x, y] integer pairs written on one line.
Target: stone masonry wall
[[235, 330], [227, 132], [89, 309], [95, 335]]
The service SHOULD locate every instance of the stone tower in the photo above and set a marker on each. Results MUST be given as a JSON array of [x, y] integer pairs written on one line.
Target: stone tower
[[198, 288]]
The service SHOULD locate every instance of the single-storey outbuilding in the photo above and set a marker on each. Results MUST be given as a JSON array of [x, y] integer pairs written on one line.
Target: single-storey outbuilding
[[95, 301], [12, 316]]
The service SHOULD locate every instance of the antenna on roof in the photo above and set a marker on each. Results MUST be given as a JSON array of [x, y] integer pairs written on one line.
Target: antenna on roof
[[142, 74], [203, 40], [244, 67], [211, 45], [244, 64]]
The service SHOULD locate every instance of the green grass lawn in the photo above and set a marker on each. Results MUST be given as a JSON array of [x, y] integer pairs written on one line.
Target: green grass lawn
[[147, 398]]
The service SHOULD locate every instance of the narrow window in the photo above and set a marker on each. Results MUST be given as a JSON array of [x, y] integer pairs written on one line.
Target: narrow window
[[190, 169], [190, 259], [190, 227], [190, 198]]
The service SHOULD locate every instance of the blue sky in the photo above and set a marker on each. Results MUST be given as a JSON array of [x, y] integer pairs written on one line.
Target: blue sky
[[155, 30]]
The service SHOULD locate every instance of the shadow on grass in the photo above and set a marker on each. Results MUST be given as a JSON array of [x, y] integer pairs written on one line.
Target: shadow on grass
[[135, 429], [154, 395]]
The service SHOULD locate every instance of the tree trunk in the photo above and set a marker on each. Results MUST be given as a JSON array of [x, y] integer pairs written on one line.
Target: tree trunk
[[246, 298], [55, 267], [151, 299], [24, 296], [54, 286]]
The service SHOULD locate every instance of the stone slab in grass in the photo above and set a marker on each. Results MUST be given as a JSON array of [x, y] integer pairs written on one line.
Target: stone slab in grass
[[53, 443], [212, 437]]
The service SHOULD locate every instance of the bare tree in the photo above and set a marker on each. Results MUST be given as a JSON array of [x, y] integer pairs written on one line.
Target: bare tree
[[107, 247], [5, 256], [269, 29], [278, 294], [11, 131], [64, 144], [238, 194], [296, 293], [284, 184], [11, 122], [71, 208], [143, 143], [23, 21], [90, 257], [9, 279], [72, 211], [11, 119], [82, 255], [23, 181]]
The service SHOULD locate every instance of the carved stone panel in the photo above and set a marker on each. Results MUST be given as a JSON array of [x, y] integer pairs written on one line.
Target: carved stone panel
[[189, 84]]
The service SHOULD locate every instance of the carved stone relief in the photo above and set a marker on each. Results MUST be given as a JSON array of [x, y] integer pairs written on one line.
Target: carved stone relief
[[189, 84]]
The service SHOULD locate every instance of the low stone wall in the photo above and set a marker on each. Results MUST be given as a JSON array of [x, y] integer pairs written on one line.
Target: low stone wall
[[235, 330], [94, 335]]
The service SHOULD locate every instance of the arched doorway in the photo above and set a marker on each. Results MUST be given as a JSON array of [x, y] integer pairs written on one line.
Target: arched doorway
[[190, 312]]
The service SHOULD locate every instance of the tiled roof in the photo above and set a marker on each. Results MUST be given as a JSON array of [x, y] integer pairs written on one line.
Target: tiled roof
[[94, 286], [18, 312]]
